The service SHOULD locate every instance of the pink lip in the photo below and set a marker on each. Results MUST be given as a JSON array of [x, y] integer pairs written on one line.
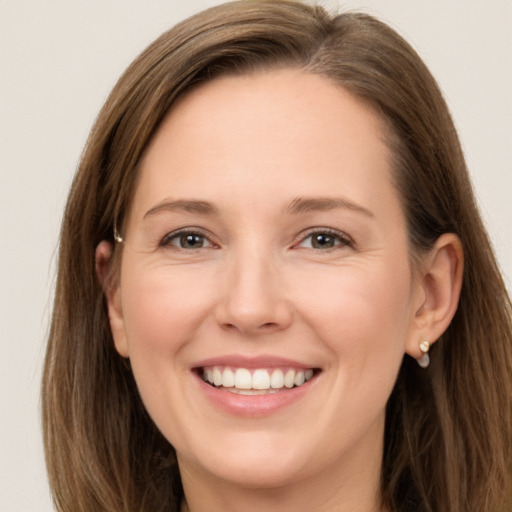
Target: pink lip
[[264, 361], [251, 405], [255, 405]]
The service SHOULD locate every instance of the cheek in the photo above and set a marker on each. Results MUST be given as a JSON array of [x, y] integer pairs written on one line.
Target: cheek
[[162, 314], [160, 310], [362, 312]]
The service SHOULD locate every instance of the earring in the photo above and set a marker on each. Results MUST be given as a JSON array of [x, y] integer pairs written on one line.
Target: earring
[[117, 237], [424, 360]]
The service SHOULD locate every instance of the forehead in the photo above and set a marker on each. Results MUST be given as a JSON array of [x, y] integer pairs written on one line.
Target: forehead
[[287, 129]]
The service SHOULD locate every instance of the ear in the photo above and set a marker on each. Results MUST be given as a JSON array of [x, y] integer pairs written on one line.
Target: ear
[[112, 291], [439, 283]]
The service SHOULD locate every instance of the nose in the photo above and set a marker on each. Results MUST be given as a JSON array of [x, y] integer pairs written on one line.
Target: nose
[[253, 299]]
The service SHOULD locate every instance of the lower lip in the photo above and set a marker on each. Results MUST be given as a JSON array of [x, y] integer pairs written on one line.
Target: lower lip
[[253, 405]]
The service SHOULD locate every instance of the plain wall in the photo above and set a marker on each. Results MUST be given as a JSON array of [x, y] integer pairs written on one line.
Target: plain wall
[[58, 61]]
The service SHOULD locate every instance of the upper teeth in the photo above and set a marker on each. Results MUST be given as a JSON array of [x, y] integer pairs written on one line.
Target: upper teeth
[[260, 379]]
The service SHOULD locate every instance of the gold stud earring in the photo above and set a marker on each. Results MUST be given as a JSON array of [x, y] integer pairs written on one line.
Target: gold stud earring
[[424, 360]]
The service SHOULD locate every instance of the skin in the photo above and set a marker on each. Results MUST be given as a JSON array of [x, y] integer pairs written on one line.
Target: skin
[[250, 146]]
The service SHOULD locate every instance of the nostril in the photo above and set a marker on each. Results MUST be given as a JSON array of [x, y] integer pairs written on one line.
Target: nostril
[[230, 327], [266, 326]]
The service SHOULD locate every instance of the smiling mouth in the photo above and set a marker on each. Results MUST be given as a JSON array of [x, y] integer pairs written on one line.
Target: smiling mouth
[[260, 381]]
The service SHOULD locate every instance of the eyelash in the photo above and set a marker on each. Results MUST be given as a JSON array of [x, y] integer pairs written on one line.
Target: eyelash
[[177, 235], [340, 239]]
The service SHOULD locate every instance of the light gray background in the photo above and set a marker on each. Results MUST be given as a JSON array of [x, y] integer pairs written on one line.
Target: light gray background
[[58, 61]]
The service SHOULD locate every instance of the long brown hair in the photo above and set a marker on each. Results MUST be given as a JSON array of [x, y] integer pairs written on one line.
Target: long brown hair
[[448, 431]]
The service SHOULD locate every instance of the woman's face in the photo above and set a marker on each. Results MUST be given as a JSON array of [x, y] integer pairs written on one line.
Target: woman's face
[[266, 248]]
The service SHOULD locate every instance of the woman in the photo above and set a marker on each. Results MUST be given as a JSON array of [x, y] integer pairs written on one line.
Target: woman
[[275, 291]]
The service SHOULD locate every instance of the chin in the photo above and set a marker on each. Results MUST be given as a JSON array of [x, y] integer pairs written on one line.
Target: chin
[[271, 474], [256, 464]]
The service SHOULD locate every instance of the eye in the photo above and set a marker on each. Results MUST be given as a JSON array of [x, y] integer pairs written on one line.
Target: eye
[[324, 240], [188, 240]]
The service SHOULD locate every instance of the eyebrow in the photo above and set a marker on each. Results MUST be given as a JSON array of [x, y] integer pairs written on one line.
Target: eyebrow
[[186, 205], [322, 204], [297, 206]]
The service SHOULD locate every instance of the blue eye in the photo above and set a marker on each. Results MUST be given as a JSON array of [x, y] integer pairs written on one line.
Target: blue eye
[[188, 240], [323, 240]]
